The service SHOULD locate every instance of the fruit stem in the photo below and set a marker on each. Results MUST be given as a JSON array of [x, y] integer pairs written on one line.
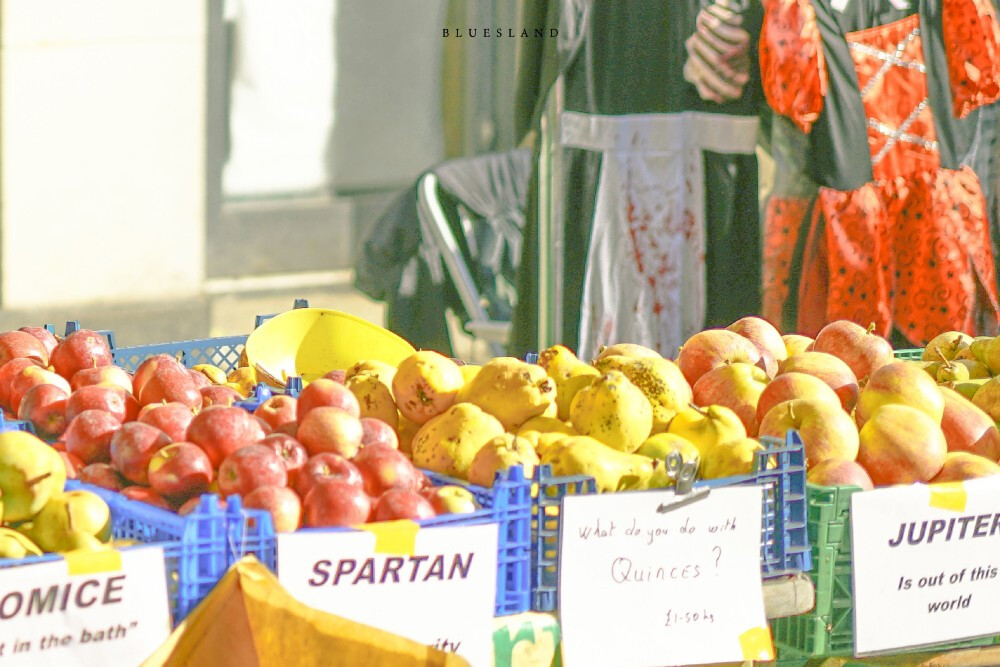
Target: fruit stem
[[697, 409], [947, 361], [871, 328]]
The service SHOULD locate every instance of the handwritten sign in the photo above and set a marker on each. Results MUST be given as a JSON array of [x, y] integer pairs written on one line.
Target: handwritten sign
[[432, 585], [928, 559], [643, 584], [105, 608]]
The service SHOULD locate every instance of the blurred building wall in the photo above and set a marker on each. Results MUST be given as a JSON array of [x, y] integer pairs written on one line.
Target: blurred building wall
[[101, 150]]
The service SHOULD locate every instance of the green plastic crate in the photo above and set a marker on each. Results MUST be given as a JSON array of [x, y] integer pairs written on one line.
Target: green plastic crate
[[913, 354], [828, 630]]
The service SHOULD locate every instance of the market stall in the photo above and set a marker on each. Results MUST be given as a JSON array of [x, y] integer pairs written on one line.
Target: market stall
[[319, 488]]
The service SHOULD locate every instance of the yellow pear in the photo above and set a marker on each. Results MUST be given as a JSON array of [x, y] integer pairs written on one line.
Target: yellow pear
[[583, 455], [469, 371], [243, 380], [426, 384], [69, 519], [613, 411], [16, 545], [728, 459], [987, 398], [945, 346], [406, 429], [511, 390], [450, 441], [570, 375], [501, 453], [977, 370], [31, 474], [987, 352], [970, 387], [374, 397], [214, 374], [627, 350], [662, 382], [546, 424], [383, 371], [660, 445], [707, 427]]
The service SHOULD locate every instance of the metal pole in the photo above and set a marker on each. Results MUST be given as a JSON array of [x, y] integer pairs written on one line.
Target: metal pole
[[550, 233]]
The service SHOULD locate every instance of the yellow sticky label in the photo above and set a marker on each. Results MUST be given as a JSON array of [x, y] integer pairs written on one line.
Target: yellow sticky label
[[393, 537], [948, 496], [84, 561], [756, 644]]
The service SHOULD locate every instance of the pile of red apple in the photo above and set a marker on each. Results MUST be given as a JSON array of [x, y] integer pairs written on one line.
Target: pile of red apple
[[166, 434]]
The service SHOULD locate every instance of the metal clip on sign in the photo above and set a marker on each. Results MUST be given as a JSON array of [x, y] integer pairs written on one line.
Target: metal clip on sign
[[683, 475]]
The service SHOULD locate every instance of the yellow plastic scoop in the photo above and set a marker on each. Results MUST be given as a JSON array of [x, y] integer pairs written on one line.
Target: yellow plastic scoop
[[310, 342]]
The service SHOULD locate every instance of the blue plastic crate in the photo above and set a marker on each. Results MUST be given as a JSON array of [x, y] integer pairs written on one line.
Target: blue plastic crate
[[222, 351], [262, 392], [197, 548], [784, 539], [508, 504]]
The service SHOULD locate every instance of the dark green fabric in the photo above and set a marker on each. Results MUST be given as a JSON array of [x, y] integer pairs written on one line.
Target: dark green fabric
[[733, 246], [630, 62]]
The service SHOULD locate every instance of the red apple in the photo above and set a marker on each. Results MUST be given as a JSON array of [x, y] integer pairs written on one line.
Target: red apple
[[788, 386], [863, 351], [840, 472], [291, 428], [133, 446], [283, 504], [102, 375], [201, 380], [337, 375], [89, 435], [44, 336], [109, 398], [250, 467], [713, 348], [967, 428], [761, 333], [376, 432], [180, 471], [828, 368], [328, 393], [22, 345], [32, 376], [326, 466], [902, 383], [192, 504], [383, 468], [72, 463], [901, 445], [102, 475], [328, 429], [277, 410], [146, 495], [145, 370], [81, 349], [221, 430], [827, 431], [397, 504], [218, 394], [264, 425], [171, 418], [170, 383], [291, 452], [737, 386], [44, 405], [8, 372], [450, 499], [335, 502]]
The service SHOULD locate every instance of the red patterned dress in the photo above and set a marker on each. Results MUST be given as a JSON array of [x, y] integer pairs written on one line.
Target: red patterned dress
[[897, 233]]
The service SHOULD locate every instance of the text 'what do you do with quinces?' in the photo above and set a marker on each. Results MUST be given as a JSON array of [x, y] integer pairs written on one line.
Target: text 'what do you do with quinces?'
[[683, 583]]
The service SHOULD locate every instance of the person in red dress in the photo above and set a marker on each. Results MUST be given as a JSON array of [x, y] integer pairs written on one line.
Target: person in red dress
[[879, 97]]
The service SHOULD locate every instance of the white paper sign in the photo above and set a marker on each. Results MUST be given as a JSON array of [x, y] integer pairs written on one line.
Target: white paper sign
[[925, 558], [434, 585], [109, 617], [639, 586]]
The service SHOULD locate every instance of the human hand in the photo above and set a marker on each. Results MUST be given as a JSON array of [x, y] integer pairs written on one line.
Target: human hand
[[718, 63]]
